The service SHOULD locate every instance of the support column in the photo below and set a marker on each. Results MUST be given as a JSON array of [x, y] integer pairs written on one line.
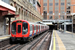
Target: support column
[[57, 26], [53, 9], [47, 9], [60, 27], [4, 26], [64, 26], [59, 8], [9, 24]]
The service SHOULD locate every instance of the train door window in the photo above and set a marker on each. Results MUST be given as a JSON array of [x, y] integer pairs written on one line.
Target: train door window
[[25, 27], [30, 27], [35, 27], [41, 27], [38, 27], [19, 28], [14, 28]]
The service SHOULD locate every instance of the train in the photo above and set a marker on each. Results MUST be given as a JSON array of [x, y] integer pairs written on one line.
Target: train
[[25, 31]]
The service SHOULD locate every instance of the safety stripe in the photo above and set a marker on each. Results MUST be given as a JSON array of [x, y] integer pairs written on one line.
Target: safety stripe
[[54, 45], [60, 43], [3, 37]]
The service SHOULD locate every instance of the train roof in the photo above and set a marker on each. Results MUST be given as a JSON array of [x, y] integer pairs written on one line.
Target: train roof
[[30, 22]]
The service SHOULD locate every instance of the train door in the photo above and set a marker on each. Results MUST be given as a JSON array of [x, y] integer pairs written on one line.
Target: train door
[[39, 28], [33, 30], [44, 28], [36, 29], [19, 29]]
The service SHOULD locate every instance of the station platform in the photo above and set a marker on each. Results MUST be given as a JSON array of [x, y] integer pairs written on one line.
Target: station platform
[[62, 41], [4, 37]]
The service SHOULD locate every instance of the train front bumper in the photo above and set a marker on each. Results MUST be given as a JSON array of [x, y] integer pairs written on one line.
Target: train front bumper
[[19, 38]]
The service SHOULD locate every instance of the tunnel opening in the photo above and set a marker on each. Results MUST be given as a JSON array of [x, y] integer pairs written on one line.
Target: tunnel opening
[[51, 27]]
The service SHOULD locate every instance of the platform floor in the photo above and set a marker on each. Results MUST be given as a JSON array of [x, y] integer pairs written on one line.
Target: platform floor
[[4, 37], [63, 41]]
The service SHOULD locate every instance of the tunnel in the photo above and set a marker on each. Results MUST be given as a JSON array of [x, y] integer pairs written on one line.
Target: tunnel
[[51, 27]]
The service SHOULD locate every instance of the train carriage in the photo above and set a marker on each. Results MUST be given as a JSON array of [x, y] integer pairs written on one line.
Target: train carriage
[[24, 30]]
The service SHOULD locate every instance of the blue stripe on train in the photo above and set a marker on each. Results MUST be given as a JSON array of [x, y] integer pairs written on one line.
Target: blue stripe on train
[[38, 32], [30, 35], [34, 33]]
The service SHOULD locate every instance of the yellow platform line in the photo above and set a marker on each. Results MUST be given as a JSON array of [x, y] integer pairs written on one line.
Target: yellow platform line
[[54, 45], [60, 43], [4, 37]]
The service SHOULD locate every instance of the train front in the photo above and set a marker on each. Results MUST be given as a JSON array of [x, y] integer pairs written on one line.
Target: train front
[[19, 30]]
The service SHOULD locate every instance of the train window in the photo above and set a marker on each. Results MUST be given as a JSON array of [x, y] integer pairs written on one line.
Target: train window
[[38, 27], [25, 27], [14, 28], [30, 27], [19, 28], [35, 27]]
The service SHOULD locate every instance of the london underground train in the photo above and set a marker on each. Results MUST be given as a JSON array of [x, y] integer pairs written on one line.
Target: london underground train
[[24, 30]]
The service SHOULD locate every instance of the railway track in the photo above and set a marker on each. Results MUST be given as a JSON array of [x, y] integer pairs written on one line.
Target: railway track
[[32, 45], [41, 44]]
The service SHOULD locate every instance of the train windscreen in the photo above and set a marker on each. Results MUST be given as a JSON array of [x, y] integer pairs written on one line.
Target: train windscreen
[[14, 28], [25, 28]]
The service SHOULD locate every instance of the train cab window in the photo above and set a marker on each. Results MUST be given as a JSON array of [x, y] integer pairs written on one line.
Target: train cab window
[[19, 28], [25, 27], [14, 28]]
